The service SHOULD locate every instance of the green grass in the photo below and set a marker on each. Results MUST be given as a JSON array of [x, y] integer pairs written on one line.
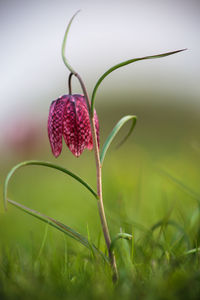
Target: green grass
[[150, 191]]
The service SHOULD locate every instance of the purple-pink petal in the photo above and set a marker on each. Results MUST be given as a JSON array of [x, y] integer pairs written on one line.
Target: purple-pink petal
[[76, 125], [96, 121], [55, 125]]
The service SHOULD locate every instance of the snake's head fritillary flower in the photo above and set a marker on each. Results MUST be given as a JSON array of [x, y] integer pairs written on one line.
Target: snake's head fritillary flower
[[69, 118]]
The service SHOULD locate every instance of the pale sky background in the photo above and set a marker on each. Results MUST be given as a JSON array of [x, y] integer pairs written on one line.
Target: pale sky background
[[32, 73]]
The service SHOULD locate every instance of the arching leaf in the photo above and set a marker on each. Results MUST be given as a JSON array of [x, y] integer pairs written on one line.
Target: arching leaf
[[60, 226], [114, 132], [122, 64], [45, 164]]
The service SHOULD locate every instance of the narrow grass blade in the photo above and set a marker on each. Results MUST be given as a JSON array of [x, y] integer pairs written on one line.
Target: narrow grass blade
[[114, 132], [127, 62], [58, 225], [192, 251], [43, 241], [89, 241], [122, 235], [165, 222], [179, 183], [132, 248], [45, 164]]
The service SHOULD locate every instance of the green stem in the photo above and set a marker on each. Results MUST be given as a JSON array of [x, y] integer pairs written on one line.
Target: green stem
[[84, 92], [99, 186], [100, 203]]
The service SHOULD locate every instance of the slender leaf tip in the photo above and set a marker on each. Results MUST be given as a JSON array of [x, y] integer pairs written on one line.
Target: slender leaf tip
[[114, 132], [122, 64], [65, 60]]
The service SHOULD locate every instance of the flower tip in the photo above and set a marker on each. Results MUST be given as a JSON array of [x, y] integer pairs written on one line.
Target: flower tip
[[90, 147], [56, 154]]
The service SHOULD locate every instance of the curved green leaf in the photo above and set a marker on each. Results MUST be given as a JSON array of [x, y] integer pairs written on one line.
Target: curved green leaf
[[122, 64], [60, 226], [122, 235], [114, 132], [64, 45], [45, 164]]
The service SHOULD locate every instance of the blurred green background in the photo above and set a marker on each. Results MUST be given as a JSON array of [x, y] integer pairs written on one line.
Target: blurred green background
[[136, 187]]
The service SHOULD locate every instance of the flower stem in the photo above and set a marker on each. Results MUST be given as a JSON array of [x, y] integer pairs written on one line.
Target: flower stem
[[70, 83], [99, 185], [101, 206], [96, 152]]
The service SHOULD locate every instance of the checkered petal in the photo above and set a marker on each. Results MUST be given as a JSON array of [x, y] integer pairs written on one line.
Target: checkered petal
[[55, 124], [69, 118], [76, 124], [90, 144]]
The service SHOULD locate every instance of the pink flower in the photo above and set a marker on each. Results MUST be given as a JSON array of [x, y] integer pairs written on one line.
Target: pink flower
[[69, 118]]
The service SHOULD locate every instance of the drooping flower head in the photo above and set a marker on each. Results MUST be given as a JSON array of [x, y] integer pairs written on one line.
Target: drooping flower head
[[69, 118]]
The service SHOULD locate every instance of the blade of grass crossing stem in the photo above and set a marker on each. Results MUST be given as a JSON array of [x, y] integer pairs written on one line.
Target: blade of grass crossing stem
[[122, 64], [58, 225], [114, 132], [44, 164]]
